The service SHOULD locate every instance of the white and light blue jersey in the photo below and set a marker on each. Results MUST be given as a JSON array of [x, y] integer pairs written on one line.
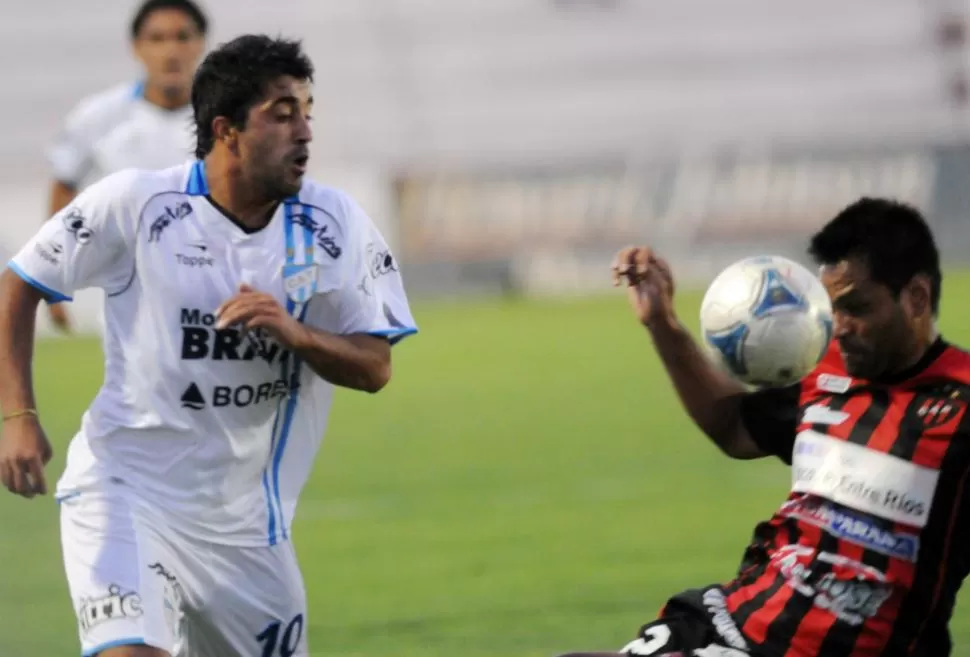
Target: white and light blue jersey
[[118, 129], [215, 430]]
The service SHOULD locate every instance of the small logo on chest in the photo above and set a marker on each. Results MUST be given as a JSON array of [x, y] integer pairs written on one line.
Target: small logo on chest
[[300, 281], [821, 414], [937, 412], [171, 213], [833, 383], [194, 261]]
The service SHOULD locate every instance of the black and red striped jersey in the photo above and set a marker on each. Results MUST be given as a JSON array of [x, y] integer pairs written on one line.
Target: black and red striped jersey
[[865, 557]]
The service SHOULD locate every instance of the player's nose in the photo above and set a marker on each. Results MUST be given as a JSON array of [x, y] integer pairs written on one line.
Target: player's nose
[[303, 133]]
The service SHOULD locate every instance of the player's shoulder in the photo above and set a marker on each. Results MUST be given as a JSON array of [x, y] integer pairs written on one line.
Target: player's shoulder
[[330, 206], [338, 204], [952, 363], [134, 188], [106, 105]]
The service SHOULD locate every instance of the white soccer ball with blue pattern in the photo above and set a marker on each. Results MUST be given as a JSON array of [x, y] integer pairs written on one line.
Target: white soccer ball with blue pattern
[[767, 320]]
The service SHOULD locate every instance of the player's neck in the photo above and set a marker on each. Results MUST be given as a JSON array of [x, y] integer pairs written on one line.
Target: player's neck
[[924, 342], [166, 99], [240, 201]]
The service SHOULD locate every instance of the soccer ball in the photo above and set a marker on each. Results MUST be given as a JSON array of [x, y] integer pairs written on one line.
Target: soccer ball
[[767, 320]]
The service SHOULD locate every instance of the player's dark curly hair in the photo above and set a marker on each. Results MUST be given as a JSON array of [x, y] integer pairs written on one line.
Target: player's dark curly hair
[[187, 7], [892, 238], [234, 77]]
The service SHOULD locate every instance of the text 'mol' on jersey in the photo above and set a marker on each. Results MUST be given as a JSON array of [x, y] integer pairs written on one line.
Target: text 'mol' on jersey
[[865, 557], [216, 429]]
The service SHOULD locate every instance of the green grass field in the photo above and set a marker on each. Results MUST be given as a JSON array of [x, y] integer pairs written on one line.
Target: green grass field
[[527, 485]]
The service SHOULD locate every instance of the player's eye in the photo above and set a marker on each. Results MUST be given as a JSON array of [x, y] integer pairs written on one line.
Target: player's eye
[[855, 308]]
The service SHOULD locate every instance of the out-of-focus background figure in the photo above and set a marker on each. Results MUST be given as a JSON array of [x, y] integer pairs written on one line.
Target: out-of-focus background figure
[[528, 485], [144, 124]]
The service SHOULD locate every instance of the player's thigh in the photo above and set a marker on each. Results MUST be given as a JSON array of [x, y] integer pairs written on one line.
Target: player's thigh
[[120, 602], [254, 603]]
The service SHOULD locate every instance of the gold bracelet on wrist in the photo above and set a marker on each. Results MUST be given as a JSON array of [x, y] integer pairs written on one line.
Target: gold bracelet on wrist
[[14, 415]]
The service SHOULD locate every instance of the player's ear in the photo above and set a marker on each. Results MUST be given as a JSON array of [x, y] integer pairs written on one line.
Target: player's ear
[[137, 51], [917, 296], [225, 132]]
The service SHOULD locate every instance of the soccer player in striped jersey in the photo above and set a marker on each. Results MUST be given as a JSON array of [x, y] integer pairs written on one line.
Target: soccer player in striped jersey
[[866, 555], [146, 124], [238, 295]]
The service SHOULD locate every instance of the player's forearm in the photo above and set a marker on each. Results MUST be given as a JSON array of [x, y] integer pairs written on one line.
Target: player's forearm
[[360, 362], [18, 310], [711, 397]]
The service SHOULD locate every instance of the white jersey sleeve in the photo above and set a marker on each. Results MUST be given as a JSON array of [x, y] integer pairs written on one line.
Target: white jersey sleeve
[[72, 153], [371, 298], [85, 244]]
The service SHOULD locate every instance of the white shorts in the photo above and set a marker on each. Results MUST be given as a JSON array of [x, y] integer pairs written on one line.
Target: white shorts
[[135, 581]]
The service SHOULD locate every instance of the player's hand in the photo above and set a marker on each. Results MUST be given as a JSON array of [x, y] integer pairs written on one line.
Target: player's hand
[[650, 284], [59, 317], [251, 310], [24, 451]]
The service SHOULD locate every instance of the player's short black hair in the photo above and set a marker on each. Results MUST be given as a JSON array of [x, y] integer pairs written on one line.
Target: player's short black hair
[[892, 238], [233, 77], [149, 7]]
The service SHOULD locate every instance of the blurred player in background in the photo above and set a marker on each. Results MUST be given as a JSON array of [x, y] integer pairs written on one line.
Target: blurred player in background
[[865, 557], [238, 294], [147, 124]]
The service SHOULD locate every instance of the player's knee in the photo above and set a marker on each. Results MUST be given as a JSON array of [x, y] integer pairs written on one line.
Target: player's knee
[[132, 651]]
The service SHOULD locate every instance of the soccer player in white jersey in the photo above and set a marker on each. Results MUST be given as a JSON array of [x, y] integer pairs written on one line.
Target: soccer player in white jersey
[[238, 294], [146, 124]]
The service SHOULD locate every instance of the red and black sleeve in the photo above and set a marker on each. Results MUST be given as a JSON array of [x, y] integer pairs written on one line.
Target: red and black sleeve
[[771, 417]]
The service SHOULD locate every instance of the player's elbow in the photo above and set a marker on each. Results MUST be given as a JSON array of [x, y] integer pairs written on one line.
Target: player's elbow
[[378, 376], [738, 444]]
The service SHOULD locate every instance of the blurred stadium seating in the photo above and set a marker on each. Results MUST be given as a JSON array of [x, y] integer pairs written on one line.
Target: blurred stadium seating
[[512, 143]]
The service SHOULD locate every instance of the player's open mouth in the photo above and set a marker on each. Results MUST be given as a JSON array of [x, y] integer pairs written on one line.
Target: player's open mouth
[[300, 162]]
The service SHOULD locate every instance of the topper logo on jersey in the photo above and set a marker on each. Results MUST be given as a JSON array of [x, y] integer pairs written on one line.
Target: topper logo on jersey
[[201, 340], [164, 220], [50, 252], [321, 234], [721, 619], [114, 606], [195, 260]]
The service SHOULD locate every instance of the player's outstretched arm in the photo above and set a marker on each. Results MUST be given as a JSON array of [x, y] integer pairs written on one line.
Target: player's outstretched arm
[[711, 397], [24, 449]]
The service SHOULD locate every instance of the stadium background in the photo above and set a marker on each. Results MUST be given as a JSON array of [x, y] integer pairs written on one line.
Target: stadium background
[[527, 485]]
